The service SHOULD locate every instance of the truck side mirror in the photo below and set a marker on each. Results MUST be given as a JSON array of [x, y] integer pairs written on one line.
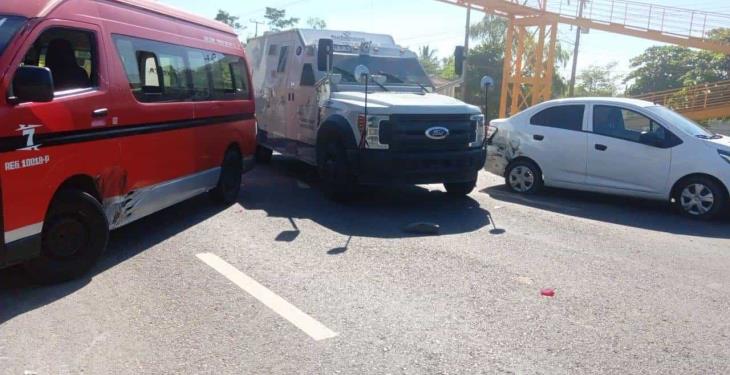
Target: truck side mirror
[[325, 53], [32, 84], [459, 54]]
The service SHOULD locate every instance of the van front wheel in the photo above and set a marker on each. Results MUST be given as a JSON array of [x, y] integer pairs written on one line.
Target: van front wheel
[[75, 233]]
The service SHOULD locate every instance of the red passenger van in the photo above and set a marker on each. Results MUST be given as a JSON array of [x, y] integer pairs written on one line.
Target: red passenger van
[[111, 110]]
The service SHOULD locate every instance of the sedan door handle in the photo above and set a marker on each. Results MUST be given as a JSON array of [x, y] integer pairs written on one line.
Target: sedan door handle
[[538, 137], [601, 147], [101, 112]]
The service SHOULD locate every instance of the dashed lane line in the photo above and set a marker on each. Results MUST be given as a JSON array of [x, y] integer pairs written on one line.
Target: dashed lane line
[[286, 310]]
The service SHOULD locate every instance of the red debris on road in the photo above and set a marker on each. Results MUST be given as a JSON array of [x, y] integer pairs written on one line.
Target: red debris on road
[[547, 292]]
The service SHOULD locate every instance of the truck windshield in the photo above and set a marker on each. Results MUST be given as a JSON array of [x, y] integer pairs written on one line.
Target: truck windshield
[[9, 25], [397, 70]]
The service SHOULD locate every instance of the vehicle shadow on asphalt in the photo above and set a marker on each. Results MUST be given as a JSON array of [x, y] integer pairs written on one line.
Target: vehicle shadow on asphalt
[[287, 188], [634, 212], [18, 295]]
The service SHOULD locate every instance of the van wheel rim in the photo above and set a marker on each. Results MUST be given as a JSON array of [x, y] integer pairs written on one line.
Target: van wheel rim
[[521, 179], [697, 199], [66, 237]]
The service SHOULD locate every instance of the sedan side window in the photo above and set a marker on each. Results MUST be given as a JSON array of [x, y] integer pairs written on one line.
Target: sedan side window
[[626, 124], [568, 117]]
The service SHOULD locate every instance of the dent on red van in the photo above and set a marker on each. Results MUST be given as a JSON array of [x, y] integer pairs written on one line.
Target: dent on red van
[[111, 111]]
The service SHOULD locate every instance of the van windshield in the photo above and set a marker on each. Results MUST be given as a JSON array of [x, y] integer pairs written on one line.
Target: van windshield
[[397, 70], [9, 25]]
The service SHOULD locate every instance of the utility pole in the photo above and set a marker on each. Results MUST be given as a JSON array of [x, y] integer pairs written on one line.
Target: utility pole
[[257, 23], [571, 90], [466, 52]]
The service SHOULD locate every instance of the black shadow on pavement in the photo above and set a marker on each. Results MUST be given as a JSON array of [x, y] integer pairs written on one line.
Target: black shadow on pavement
[[290, 189], [633, 212], [18, 295]]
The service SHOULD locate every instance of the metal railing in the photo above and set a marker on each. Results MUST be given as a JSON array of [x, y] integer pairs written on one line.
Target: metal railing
[[679, 22], [697, 99]]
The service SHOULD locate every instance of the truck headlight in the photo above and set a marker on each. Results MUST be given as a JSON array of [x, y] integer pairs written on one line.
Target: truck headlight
[[725, 155], [371, 129], [480, 131]]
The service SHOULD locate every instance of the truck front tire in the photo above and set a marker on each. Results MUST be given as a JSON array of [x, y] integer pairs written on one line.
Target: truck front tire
[[460, 189], [75, 234], [263, 154], [338, 182]]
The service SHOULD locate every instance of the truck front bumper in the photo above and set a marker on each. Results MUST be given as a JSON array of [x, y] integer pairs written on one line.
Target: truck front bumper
[[379, 167]]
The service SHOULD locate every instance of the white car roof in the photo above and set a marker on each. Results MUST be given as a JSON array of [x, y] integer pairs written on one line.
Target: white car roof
[[602, 100]]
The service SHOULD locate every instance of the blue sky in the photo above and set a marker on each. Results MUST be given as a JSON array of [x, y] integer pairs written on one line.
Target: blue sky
[[414, 23]]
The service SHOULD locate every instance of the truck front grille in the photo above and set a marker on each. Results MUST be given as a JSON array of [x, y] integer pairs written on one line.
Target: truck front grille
[[407, 133]]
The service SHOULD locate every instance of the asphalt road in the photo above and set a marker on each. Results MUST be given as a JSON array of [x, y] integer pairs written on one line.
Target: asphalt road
[[638, 289]]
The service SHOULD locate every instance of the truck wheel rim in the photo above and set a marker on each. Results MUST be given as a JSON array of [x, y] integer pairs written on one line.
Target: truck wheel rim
[[697, 199], [521, 179]]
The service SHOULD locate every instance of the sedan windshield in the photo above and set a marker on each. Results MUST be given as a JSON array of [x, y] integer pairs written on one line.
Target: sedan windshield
[[397, 70], [686, 125], [9, 25]]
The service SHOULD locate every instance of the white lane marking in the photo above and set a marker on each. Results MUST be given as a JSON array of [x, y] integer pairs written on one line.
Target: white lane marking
[[303, 185], [556, 206], [301, 320]]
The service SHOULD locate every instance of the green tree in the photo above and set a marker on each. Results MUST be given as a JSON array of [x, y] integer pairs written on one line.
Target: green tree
[[228, 19], [659, 68], [672, 67], [448, 68], [316, 23], [429, 60], [276, 19], [598, 80]]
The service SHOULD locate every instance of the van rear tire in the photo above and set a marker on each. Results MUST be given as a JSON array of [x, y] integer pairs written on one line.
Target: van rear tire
[[75, 234], [229, 182], [338, 182]]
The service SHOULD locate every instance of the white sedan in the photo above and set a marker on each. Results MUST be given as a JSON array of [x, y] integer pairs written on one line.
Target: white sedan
[[616, 146]]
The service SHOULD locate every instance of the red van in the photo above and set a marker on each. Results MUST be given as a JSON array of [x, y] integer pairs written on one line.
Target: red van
[[112, 110]]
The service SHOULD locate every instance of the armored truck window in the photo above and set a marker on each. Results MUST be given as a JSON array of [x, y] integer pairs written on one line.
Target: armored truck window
[[308, 78], [283, 56], [568, 117]]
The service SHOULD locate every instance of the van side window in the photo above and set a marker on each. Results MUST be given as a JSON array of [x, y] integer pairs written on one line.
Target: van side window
[[166, 72], [150, 72], [198, 69], [283, 56], [70, 55], [308, 78], [568, 117], [273, 49]]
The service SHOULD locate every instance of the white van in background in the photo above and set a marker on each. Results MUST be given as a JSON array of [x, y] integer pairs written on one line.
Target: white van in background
[[361, 109]]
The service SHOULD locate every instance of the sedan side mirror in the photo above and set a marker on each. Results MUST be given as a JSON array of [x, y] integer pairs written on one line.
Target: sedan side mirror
[[32, 84]]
